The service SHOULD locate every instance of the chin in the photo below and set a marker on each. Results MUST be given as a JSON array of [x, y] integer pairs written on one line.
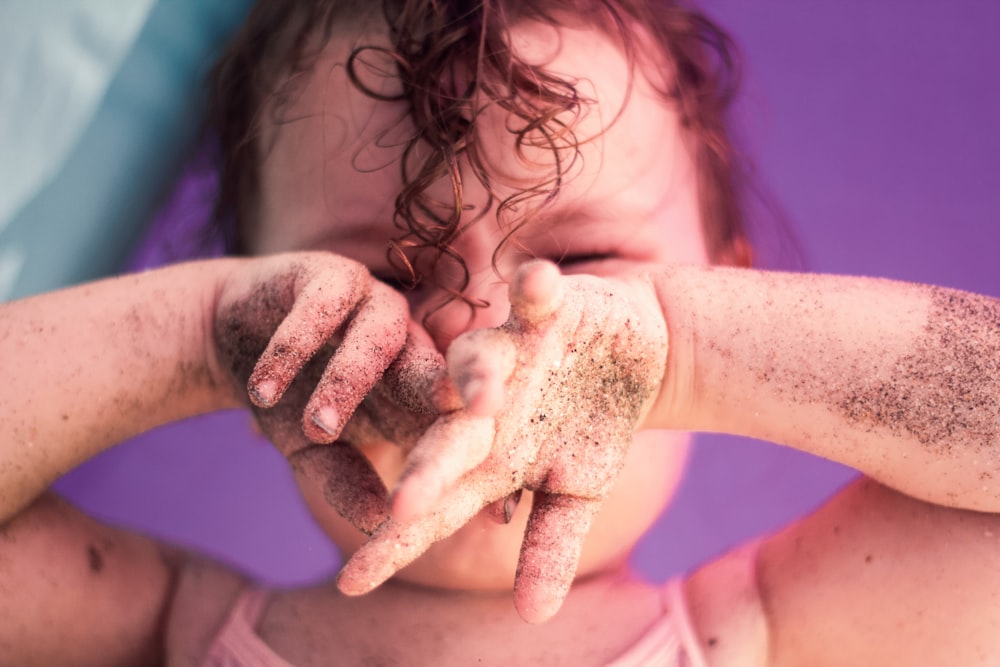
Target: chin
[[483, 555]]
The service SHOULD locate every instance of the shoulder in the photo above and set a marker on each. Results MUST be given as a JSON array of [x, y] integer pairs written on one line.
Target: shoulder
[[873, 577], [876, 577]]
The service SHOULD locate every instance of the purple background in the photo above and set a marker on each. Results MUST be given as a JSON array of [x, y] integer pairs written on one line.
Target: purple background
[[874, 127]]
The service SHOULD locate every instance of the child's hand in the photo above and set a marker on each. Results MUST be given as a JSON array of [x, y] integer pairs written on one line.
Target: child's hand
[[552, 400], [305, 337]]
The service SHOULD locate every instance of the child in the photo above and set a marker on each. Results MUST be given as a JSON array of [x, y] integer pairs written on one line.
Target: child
[[584, 154]]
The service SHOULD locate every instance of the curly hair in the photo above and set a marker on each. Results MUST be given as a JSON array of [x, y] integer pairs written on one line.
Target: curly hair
[[452, 60]]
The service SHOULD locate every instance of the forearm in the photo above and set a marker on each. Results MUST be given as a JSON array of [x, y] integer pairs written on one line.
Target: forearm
[[87, 367], [900, 381]]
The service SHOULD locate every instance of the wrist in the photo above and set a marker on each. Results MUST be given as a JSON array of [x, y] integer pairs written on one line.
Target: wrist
[[218, 383], [173, 314], [675, 406]]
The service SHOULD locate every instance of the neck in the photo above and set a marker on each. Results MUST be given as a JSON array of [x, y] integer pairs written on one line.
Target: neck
[[603, 614]]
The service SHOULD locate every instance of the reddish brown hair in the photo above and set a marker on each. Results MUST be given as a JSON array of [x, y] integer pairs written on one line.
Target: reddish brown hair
[[453, 57]]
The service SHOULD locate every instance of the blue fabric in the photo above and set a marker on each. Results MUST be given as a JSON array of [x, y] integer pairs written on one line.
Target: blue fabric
[[81, 221]]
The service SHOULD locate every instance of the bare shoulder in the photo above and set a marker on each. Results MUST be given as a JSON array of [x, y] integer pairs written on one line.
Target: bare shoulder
[[206, 592], [875, 577], [74, 591]]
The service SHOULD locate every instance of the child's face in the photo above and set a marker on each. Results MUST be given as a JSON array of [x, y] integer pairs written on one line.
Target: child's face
[[329, 182]]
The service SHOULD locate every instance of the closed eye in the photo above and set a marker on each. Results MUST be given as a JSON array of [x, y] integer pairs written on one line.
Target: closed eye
[[575, 260]]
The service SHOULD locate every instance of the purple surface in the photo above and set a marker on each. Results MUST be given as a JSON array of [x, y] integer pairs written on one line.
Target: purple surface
[[874, 125]]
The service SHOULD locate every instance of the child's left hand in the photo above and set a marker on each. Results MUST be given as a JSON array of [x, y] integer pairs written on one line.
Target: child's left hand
[[552, 400]]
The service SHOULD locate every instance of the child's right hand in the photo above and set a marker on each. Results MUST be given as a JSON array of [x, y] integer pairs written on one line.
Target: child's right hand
[[303, 338]]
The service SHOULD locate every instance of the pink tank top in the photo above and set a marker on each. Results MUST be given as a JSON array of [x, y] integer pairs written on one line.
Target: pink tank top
[[671, 642]]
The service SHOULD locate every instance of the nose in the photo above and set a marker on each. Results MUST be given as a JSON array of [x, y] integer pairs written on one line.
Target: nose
[[445, 316]]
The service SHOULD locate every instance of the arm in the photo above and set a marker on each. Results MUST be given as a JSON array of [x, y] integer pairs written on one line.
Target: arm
[[87, 367], [897, 380], [806, 361], [83, 369]]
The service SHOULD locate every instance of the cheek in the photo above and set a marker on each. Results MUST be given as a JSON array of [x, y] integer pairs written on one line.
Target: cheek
[[388, 461], [346, 537]]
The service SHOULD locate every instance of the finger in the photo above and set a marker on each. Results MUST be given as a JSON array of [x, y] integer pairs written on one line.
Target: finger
[[396, 544], [371, 341], [452, 446], [536, 291], [383, 420], [479, 363], [418, 378], [350, 484], [318, 312], [550, 553]]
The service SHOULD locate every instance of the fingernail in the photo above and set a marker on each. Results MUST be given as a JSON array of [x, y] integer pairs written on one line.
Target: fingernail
[[327, 419], [510, 505], [471, 390], [262, 393]]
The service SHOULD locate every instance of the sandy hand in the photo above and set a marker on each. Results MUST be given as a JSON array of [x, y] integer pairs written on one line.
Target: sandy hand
[[552, 400], [305, 337]]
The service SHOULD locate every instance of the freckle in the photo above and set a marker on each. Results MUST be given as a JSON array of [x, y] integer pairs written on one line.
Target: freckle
[[94, 559], [712, 642], [869, 558]]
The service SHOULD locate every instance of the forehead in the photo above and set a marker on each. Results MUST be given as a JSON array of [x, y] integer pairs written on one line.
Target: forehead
[[332, 154]]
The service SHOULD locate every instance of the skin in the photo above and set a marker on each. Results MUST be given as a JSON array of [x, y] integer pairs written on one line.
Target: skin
[[319, 200], [875, 577], [630, 210], [616, 211], [630, 182], [502, 443]]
